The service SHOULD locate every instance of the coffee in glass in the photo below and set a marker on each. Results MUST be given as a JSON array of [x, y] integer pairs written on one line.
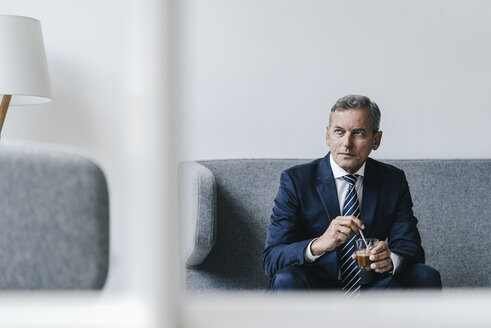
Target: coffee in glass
[[363, 253]]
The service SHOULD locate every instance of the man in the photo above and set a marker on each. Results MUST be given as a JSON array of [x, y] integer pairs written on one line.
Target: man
[[321, 206]]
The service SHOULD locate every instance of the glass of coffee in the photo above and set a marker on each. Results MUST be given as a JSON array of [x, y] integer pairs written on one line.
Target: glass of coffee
[[363, 252]]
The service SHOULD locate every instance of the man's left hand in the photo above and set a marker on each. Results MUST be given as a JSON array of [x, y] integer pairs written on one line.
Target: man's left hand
[[380, 257]]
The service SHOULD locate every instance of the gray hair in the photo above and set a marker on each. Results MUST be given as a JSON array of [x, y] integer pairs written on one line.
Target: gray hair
[[357, 101]]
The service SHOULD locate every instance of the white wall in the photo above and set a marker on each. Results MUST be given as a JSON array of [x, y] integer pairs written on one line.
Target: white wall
[[259, 77]]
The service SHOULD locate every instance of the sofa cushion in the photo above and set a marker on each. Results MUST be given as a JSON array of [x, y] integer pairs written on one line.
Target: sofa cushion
[[452, 203]]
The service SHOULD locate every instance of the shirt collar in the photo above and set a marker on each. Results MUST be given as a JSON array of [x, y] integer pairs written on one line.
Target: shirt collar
[[339, 172]]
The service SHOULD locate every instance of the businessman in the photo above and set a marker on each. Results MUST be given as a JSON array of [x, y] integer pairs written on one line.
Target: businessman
[[321, 207]]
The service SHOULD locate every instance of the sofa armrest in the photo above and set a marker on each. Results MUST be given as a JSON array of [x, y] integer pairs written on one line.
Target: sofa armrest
[[197, 212], [54, 219]]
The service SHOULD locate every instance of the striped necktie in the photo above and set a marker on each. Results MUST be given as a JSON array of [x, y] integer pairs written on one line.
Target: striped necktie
[[350, 274]]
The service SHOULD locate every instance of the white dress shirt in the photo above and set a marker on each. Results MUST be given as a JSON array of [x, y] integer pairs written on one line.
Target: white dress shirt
[[342, 188]]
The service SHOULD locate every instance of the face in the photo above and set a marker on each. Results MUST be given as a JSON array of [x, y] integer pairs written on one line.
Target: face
[[350, 138]]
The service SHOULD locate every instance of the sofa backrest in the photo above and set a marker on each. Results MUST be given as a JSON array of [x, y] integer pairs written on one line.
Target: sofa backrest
[[233, 200], [54, 219]]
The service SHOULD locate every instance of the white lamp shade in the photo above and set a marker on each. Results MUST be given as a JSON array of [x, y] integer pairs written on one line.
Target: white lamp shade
[[23, 66]]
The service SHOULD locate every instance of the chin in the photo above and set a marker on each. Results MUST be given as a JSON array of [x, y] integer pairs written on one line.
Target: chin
[[346, 166], [349, 166]]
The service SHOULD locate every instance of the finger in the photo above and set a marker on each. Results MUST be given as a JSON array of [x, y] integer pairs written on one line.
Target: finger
[[336, 228], [384, 268], [343, 230], [379, 247], [379, 256], [353, 223], [380, 264], [348, 220], [340, 221], [354, 227], [358, 222]]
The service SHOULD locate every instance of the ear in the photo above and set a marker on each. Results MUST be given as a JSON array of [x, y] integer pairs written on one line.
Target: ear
[[378, 139], [327, 135]]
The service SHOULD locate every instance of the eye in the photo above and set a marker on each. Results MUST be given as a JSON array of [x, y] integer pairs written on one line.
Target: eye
[[359, 134], [338, 131]]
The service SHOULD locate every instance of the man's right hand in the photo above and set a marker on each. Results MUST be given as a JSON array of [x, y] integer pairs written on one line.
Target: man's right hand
[[336, 234]]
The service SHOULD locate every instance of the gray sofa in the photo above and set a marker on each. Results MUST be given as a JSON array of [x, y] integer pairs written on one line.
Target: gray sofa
[[226, 206], [54, 219]]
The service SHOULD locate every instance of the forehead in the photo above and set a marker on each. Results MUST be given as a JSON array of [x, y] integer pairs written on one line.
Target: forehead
[[353, 118]]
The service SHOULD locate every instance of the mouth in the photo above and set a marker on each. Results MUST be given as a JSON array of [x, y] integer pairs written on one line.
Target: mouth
[[347, 154]]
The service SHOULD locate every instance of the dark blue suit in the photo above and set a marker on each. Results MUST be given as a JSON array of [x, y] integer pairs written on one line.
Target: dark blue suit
[[307, 202]]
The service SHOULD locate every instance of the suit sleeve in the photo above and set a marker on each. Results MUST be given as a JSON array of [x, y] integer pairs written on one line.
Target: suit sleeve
[[283, 243], [404, 238]]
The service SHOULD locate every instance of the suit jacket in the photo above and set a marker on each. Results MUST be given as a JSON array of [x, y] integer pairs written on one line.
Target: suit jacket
[[307, 202]]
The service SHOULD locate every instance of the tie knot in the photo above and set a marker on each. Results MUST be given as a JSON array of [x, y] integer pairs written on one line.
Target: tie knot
[[350, 178]]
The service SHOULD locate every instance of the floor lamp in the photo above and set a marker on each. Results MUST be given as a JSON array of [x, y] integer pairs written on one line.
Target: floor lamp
[[24, 76]]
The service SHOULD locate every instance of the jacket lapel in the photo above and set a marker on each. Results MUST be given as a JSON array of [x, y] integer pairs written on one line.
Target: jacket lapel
[[326, 188], [371, 189]]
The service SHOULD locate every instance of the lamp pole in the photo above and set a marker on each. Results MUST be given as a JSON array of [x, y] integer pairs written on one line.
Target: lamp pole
[[4, 106]]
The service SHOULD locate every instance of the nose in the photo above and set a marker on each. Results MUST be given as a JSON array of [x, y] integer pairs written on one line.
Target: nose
[[347, 140]]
